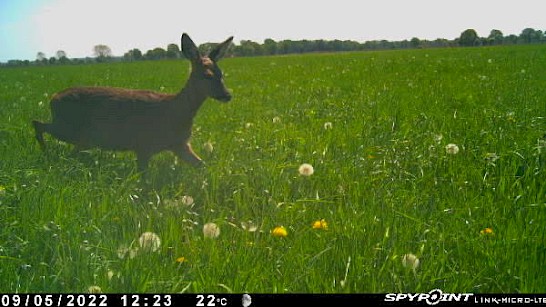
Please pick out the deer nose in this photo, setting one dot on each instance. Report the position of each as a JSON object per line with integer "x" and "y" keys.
{"x": 225, "y": 98}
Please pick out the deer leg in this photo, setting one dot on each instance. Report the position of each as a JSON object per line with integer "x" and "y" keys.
{"x": 185, "y": 153}
{"x": 40, "y": 128}
{"x": 142, "y": 161}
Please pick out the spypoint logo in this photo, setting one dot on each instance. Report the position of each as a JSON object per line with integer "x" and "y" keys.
{"x": 432, "y": 298}
{"x": 247, "y": 300}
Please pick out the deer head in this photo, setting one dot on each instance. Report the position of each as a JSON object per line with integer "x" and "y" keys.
{"x": 205, "y": 72}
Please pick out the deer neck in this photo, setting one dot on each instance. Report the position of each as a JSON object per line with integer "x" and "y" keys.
{"x": 190, "y": 98}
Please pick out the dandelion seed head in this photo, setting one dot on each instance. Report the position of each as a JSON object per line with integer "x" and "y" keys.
{"x": 187, "y": 200}
{"x": 410, "y": 261}
{"x": 452, "y": 149}
{"x": 276, "y": 120}
{"x": 149, "y": 242}
{"x": 306, "y": 169}
{"x": 328, "y": 125}
{"x": 211, "y": 230}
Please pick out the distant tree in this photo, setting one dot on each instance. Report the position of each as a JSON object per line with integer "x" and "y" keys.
{"x": 60, "y": 54}
{"x": 269, "y": 47}
{"x": 530, "y": 36}
{"x": 102, "y": 52}
{"x": 133, "y": 55}
{"x": 52, "y": 60}
{"x": 156, "y": 54}
{"x": 495, "y": 37}
{"x": 61, "y": 57}
{"x": 510, "y": 39}
{"x": 40, "y": 56}
{"x": 173, "y": 51}
{"x": 415, "y": 42}
{"x": 469, "y": 38}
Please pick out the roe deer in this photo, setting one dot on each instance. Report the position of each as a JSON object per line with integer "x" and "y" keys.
{"x": 142, "y": 121}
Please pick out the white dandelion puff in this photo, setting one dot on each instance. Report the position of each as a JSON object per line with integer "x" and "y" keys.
{"x": 149, "y": 241}
{"x": 410, "y": 261}
{"x": 306, "y": 169}
{"x": 452, "y": 149}
{"x": 211, "y": 230}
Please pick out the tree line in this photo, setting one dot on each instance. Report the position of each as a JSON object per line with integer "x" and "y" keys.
{"x": 468, "y": 38}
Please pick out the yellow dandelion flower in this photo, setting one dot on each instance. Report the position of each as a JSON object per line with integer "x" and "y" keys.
{"x": 487, "y": 231}
{"x": 181, "y": 259}
{"x": 279, "y": 231}
{"x": 322, "y": 224}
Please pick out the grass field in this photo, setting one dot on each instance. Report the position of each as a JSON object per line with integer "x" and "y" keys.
{"x": 374, "y": 126}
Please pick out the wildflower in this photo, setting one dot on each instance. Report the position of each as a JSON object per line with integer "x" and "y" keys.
{"x": 149, "y": 241}
{"x": 94, "y": 289}
{"x": 124, "y": 251}
{"x": 208, "y": 147}
{"x": 181, "y": 259}
{"x": 410, "y": 261}
{"x": 438, "y": 137}
{"x": 110, "y": 274}
{"x": 452, "y": 149}
{"x": 187, "y": 200}
{"x": 211, "y": 230}
{"x": 320, "y": 224}
{"x": 276, "y": 120}
{"x": 279, "y": 231}
{"x": 2, "y": 190}
{"x": 249, "y": 125}
{"x": 306, "y": 169}
{"x": 487, "y": 232}
{"x": 491, "y": 157}
{"x": 510, "y": 116}
{"x": 249, "y": 226}
{"x": 327, "y": 125}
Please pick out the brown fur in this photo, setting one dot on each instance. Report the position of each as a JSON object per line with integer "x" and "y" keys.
{"x": 143, "y": 121}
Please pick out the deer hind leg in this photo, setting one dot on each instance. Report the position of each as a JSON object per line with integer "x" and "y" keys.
{"x": 185, "y": 152}
{"x": 40, "y": 128}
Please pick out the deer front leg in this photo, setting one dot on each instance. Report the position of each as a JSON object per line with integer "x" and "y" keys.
{"x": 185, "y": 153}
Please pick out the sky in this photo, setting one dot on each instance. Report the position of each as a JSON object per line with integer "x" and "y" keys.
{"x": 76, "y": 26}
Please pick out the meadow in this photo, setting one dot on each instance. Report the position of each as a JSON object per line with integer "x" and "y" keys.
{"x": 428, "y": 172}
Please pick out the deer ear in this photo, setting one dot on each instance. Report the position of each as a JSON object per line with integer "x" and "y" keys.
{"x": 220, "y": 51}
{"x": 189, "y": 48}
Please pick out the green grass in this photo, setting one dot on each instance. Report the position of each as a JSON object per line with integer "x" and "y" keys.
{"x": 383, "y": 180}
